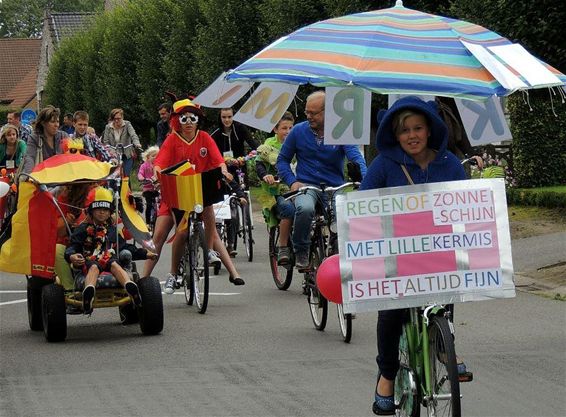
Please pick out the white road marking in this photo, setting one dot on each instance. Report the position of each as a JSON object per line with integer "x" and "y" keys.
{"x": 210, "y": 293}
{"x": 13, "y": 302}
{"x": 13, "y": 291}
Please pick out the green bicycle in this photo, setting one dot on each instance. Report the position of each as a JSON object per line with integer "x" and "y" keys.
{"x": 428, "y": 372}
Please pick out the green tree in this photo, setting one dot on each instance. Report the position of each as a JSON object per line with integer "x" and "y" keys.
{"x": 179, "y": 49}
{"x": 228, "y": 33}
{"x": 537, "y": 134}
{"x": 537, "y": 26}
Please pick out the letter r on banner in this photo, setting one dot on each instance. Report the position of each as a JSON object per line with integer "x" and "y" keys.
{"x": 266, "y": 106}
{"x": 347, "y": 116}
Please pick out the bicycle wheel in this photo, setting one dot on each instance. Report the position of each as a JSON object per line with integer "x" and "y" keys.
{"x": 198, "y": 261}
{"x": 345, "y": 321}
{"x": 445, "y": 399}
{"x": 281, "y": 275}
{"x": 247, "y": 232}
{"x": 183, "y": 272}
{"x": 236, "y": 225}
{"x": 406, "y": 391}
{"x": 318, "y": 305}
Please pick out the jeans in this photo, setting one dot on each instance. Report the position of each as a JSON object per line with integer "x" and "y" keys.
{"x": 305, "y": 205}
{"x": 127, "y": 165}
{"x": 285, "y": 208}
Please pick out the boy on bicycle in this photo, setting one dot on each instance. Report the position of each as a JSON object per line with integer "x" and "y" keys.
{"x": 272, "y": 190}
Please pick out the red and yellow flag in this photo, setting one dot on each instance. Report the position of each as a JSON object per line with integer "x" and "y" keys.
{"x": 181, "y": 186}
{"x": 65, "y": 168}
{"x": 31, "y": 248}
{"x": 132, "y": 220}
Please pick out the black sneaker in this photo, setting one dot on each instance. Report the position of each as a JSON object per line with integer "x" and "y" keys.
{"x": 88, "y": 297}
{"x": 134, "y": 292}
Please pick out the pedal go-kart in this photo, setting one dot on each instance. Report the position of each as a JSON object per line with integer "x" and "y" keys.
{"x": 29, "y": 241}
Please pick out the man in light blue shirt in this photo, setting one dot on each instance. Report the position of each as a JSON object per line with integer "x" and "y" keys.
{"x": 316, "y": 163}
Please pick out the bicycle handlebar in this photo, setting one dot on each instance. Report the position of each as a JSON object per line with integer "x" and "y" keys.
{"x": 471, "y": 160}
{"x": 293, "y": 194}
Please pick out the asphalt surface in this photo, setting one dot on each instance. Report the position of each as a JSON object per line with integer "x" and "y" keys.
{"x": 256, "y": 353}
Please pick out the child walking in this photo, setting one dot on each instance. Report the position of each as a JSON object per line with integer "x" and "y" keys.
{"x": 149, "y": 192}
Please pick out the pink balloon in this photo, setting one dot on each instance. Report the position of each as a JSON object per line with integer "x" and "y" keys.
{"x": 328, "y": 279}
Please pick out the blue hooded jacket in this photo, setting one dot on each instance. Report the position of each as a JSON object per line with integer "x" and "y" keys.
{"x": 385, "y": 170}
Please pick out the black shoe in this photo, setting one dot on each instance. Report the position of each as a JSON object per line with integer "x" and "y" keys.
{"x": 134, "y": 292}
{"x": 237, "y": 281}
{"x": 383, "y": 405}
{"x": 231, "y": 251}
{"x": 88, "y": 297}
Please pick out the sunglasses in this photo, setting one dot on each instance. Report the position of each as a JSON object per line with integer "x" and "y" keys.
{"x": 75, "y": 150}
{"x": 188, "y": 118}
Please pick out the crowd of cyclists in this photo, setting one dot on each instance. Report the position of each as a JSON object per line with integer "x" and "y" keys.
{"x": 413, "y": 141}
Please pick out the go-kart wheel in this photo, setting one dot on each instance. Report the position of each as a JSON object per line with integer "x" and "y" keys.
{"x": 34, "y": 308}
{"x": 151, "y": 311}
{"x": 34, "y": 285}
{"x": 54, "y": 313}
{"x": 128, "y": 314}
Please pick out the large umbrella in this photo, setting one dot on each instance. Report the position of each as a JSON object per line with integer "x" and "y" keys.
{"x": 395, "y": 50}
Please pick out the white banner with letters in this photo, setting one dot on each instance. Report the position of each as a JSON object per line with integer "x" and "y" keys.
{"x": 266, "y": 106}
{"x": 409, "y": 246}
{"x": 221, "y": 94}
{"x": 347, "y": 116}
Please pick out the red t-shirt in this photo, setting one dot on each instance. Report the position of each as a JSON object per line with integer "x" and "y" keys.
{"x": 202, "y": 152}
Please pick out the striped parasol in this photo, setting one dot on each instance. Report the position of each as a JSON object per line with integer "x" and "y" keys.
{"x": 397, "y": 51}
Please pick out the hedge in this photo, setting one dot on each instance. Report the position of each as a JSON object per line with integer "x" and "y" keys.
{"x": 536, "y": 197}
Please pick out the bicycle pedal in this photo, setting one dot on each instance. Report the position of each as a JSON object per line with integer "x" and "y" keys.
{"x": 466, "y": 377}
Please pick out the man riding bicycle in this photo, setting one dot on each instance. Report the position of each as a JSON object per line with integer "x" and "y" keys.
{"x": 316, "y": 163}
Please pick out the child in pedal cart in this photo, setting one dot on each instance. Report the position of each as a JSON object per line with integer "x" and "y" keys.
{"x": 93, "y": 248}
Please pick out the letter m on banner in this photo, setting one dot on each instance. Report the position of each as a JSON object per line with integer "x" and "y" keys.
{"x": 267, "y": 105}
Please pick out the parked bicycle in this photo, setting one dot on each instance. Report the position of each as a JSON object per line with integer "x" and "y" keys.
{"x": 324, "y": 242}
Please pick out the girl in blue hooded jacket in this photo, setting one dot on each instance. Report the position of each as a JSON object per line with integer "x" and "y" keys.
{"x": 412, "y": 141}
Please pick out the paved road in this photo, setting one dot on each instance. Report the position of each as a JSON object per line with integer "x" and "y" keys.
{"x": 255, "y": 353}
{"x": 539, "y": 251}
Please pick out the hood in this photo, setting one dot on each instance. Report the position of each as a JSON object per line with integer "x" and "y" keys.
{"x": 386, "y": 140}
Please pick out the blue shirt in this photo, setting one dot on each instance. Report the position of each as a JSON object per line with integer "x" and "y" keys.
{"x": 316, "y": 162}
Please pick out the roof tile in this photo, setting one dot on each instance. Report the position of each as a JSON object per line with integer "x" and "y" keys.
{"x": 18, "y": 57}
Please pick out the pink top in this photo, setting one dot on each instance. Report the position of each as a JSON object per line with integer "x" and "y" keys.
{"x": 146, "y": 173}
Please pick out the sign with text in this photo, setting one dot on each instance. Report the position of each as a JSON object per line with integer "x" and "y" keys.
{"x": 484, "y": 121}
{"x": 409, "y": 246}
{"x": 266, "y": 106}
{"x": 221, "y": 94}
{"x": 347, "y": 116}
